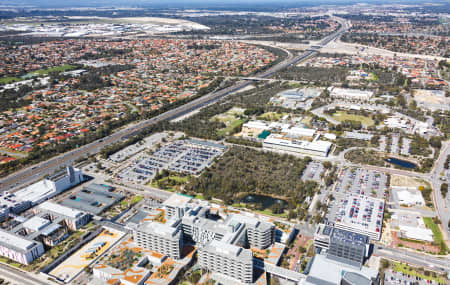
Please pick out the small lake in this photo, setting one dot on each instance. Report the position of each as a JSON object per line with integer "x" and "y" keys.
{"x": 266, "y": 201}
{"x": 402, "y": 163}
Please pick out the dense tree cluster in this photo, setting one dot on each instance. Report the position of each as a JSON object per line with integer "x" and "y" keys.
{"x": 243, "y": 170}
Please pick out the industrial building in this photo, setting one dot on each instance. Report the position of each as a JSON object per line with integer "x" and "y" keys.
{"x": 94, "y": 199}
{"x": 279, "y": 143}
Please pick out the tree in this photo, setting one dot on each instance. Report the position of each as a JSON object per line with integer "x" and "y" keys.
{"x": 444, "y": 189}
{"x": 327, "y": 165}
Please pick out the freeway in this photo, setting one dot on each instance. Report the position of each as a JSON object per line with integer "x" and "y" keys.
{"x": 33, "y": 173}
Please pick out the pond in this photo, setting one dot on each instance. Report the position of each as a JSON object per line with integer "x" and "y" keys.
{"x": 402, "y": 163}
{"x": 266, "y": 201}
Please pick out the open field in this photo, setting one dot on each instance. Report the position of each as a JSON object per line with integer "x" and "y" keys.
{"x": 405, "y": 181}
{"x": 42, "y": 72}
{"x": 428, "y": 96}
{"x": 7, "y": 80}
{"x": 343, "y": 116}
{"x": 230, "y": 127}
{"x": 271, "y": 116}
{"x": 231, "y": 120}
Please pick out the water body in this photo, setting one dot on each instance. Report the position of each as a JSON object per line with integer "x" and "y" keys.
{"x": 402, "y": 163}
{"x": 266, "y": 201}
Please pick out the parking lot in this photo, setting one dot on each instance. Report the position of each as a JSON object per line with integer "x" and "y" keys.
{"x": 184, "y": 156}
{"x": 396, "y": 278}
{"x": 131, "y": 150}
{"x": 361, "y": 181}
{"x": 313, "y": 171}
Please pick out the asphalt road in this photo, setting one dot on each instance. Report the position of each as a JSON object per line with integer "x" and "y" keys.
{"x": 36, "y": 172}
{"x": 19, "y": 277}
{"x": 441, "y": 264}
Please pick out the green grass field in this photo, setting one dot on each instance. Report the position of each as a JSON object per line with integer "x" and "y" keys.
{"x": 406, "y": 269}
{"x": 61, "y": 68}
{"x": 271, "y": 116}
{"x": 7, "y": 80}
{"x": 231, "y": 126}
{"x": 343, "y": 116}
{"x": 437, "y": 234}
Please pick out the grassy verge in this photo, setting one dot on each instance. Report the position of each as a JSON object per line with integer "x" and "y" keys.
{"x": 406, "y": 269}
{"x": 437, "y": 235}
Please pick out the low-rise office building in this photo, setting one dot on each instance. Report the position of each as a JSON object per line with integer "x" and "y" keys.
{"x": 279, "y": 143}
{"x": 350, "y": 94}
{"x": 19, "y": 249}
{"x": 73, "y": 219}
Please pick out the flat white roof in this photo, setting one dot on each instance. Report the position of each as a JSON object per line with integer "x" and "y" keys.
{"x": 410, "y": 197}
{"x": 59, "y": 209}
{"x": 300, "y": 131}
{"x": 177, "y": 200}
{"x": 322, "y": 146}
{"x": 16, "y": 241}
{"x": 36, "y": 223}
{"x": 417, "y": 233}
{"x": 35, "y": 192}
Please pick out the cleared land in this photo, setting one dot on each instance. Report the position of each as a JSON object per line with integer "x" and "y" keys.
{"x": 405, "y": 181}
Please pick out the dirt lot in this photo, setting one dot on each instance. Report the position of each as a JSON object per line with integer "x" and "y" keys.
{"x": 405, "y": 181}
{"x": 427, "y": 96}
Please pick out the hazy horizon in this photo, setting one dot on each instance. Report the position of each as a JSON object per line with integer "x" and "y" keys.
{"x": 257, "y": 4}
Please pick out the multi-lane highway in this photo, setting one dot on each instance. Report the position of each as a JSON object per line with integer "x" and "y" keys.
{"x": 32, "y": 173}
